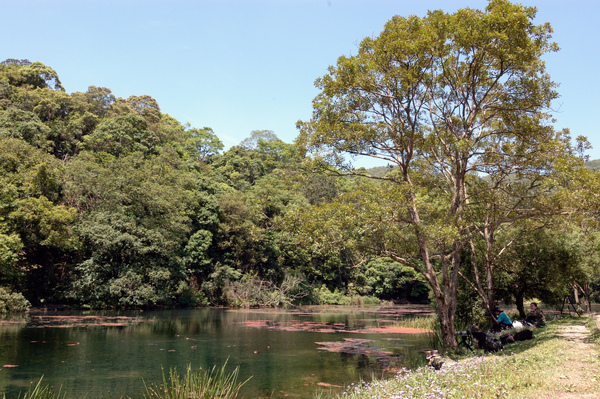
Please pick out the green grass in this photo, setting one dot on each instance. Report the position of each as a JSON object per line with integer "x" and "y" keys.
{"x": 424, "y": 323}
{"x": 41, "y": 391}
{"x": 523, "y": 369}
{"x": 420, "y": 322}
{"x": 203, "y": 384}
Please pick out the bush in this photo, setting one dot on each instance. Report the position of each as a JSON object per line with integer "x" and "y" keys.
{"x": 390, "y": 280}
{"x": 323, "y": 296}
{"x": 189, "y": 295}
{"x": 12, "y": 302}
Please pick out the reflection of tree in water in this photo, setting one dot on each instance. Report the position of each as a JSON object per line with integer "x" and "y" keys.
{"x": 71, "y": 321}
{"x": 367, "y": 355}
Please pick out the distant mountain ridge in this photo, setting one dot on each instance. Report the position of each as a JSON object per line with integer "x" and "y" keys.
{"x": 380, "y": 171}
{"x": 593, "y": 165}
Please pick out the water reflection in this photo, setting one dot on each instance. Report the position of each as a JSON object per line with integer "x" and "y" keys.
{"x": 111, "y": 353}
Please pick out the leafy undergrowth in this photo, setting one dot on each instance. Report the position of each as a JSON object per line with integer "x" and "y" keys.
{"x": 556, "y": 361}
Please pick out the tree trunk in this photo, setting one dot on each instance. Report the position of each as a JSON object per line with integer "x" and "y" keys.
{"x": 446, "y": 316}
{"x": 520, "y": 305}
{"x": 586, "y": 293}
{"x": 446, "y": 292}
{"x": 585, "y": 290}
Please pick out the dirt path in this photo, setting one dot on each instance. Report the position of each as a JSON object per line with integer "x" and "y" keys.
{"x": 579, "y": 374}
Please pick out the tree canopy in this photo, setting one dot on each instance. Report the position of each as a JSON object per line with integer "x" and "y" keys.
{"x": 459, "y": 104}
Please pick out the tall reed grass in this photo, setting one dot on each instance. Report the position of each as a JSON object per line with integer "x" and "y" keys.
{"x": 420, "y": 322}
{"x": 39, "y": 391}
{"x": 202, "y": 384}
{"x": 429, "y": 323}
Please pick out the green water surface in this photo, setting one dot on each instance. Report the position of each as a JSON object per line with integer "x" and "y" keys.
{"x": 113, "y": 359}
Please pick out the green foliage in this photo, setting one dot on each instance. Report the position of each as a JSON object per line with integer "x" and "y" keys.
{"x": 33, "y": 218}
{"x": 12, "y": 302}
{"x": 318, "y": 188}
{"x": 593, "y": 165}
{"x": 121, "y": 135}
{"x": 546, "y": 265}
{"x": 108, "y": 202}
{"x": 42, "y": 223}
{"x": 23, "y": 125}
{"x": 391, "y": 280}
{"x": 470, "y": 310}
{"x": 323, "y": 296}
{"x": 30, "y": 74}
{"x": 140, "y": 216}
{"x": 188, "y": 295}
{"x": 96, "y": 100}
{"x": 146, "y": 107}
{"x": 446, "y": 99}
{"x": 239, "y": 167}
{"x": 203, "y": 143}
{"x": 595, "y": 289}
{"x": 215, "y": 283}
{"x": 10, "y": 248}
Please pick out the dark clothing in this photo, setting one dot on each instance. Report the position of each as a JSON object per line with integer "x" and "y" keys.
{"x": 536, "y": 318}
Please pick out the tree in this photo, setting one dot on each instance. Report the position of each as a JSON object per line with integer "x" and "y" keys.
{"x": 444, "y": 98}
{"x": 204, "y": 143}
{"x": 122, "y": 135}
{"x": 23, "y": 125}
{"x": 146, "y": 107}
{"x": 547, "y": 265}
{"x": 256, "y": 136}
{"x": 36, "y": 235}
{"x": 33, "y": 74}
{"x": 96, "y": 100}
{"x": 239, "y": 168}
{"x": 512, "y": 206}
{"x": 137, "y": 214}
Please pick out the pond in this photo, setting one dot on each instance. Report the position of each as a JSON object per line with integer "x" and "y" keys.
{"x": 287, "y": 353}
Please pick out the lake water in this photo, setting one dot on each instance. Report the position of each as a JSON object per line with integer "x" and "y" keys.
{"x": 287, "y": 353}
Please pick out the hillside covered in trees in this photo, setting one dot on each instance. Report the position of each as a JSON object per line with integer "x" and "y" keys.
{"x": 107, "y": 202}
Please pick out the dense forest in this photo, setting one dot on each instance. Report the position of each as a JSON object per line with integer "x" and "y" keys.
{"x": 107, "y": 202}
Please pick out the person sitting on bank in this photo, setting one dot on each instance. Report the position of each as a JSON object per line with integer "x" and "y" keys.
{"x": 501, "y": 321}
{"x": 535, "y": 317}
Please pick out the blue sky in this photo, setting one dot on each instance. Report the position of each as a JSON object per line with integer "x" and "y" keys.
{"x": 243, "y": 65}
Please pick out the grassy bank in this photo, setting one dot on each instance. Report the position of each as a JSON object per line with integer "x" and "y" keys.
{"x": 561, "y": 361}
